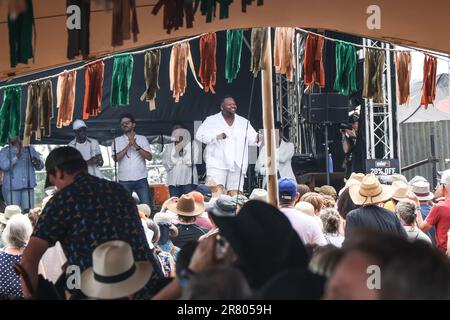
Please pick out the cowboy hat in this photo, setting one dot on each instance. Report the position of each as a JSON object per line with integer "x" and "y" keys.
{"x": 422, "y": 190}
{"x": 216, "y": 190}
{"x": 114, "y": 273}
{"x": 370, "y": 191}
{"x": 417, "y": 178}
{"x": 9, "y": 212}
{"x": 186, "y": 206}
{"x": 258, "y": 229}
{"x": 400, "y": 190}
{"x": 355, "y": 179}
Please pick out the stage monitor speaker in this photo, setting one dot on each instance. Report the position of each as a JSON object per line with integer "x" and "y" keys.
{"x": 327, "y": 107}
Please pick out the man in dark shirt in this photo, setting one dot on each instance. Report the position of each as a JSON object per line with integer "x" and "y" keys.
{"x": 84, "y": 213}
{"x": 187, "y": 210}
{"x": 369, "y": 195}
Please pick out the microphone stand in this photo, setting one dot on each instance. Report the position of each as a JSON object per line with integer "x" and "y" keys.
{"x": 29, "y": 160}
{"x": 115, "y": 155}
{"x": 10, "y": 174}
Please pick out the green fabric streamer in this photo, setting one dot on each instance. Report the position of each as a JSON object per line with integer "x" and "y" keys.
{"x": 10, "y": 114}
{"x": 208, "y": 8}
{"x": 234, "y": 49}
{"x": 121, "y": 80}
{"x": 345, "y": 81}
{"x": 20, "y": 31}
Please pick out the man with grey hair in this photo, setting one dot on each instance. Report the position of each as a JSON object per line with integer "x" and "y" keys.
{"x": 406, "y": 211}
{"x": 439, "y": 215}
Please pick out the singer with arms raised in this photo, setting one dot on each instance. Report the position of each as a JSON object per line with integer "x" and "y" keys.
{"x": 131, "y": 151}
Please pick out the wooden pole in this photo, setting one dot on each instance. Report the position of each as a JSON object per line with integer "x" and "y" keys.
{"x": 268, "y": 122}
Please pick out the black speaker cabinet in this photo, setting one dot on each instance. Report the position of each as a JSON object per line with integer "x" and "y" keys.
{"x": 326, "y": 107}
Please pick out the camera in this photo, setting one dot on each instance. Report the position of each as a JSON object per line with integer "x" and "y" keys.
{"x": 345, "y": 126}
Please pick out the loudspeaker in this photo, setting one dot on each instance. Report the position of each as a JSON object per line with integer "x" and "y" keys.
{"x": 327, "y": 107}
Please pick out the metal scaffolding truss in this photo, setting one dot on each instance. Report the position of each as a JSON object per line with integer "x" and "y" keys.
{"x": 288, "y": 104}
{"x": 379, "y": 116}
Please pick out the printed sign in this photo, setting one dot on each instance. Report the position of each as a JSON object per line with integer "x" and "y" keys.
{"x": 383, "y": 167}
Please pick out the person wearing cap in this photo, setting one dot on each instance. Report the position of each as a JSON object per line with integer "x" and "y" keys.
{"x": 88, "y": 147}
{"x": 19, "y": 165}
{"x": 131, "y": 151}
{"x": 370, "y": 194}
{"x": 187, "y": 210}
{"x": 439, "y": 216}
{"x": 305, "y": 226}
{"x": 227, "y": 137}
{"x": 421, "y": 188}
{"x": 177, "y": 158}
{"x": 284, "y": 153}
{"x": 85, "y": 212}
{"x": 224, "y": 206}
{"x": 205, "y": 191}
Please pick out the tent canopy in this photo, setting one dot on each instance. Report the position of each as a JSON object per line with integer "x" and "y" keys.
{"x": 404, "y": 22}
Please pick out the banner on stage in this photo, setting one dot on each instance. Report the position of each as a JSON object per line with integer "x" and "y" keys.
{"x": 383, "y": 167}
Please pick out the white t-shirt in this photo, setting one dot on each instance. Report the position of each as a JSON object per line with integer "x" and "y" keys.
{"x": 305, "y": 226}
{"x": 90, "y": 148}
{"x": 179, "y": 167}
{"x": 132, "y": 167}
{"x": 334, "y": 239}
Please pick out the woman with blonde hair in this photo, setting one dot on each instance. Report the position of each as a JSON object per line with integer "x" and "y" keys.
{"x": 16, "y": 235}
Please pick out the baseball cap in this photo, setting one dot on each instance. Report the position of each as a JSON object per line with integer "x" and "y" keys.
{"x": 77, "y": 124}
{"x": 204, "y": 190}
{"x": 287, "y": 189}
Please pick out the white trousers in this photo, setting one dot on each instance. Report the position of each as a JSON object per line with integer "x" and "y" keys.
{"x": 230, "y": 180}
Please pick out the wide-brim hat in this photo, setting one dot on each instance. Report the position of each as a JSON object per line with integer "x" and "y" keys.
{"x": 370, "y": 191}
{"x": 257, "y": 230}
{"x": 145, "y": 209}
{"x": 10, "y": 211}
{"x": 259, "y": 194}
{"x": 401, "y": 190}
{"x": 114, "y": 273}
{"x": 186, "y": 206}
{"x": 422, "y": 190}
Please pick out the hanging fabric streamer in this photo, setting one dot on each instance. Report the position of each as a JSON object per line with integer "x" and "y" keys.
{"x": 429, "y": 81}
{"x": 403, "y": 63}
{"x": 93, "y": 89}
{"x": 174, "y": 13}
{"x": 121, "y": 80}
{"x": 208, "y": 67}
{"x": 10, "y": 113}
{"x": 258, "y": 47}
{"x": 345, "y": 81}
{"x": 233, "y": 57}
{"x": 21, "y": 27}
{"x": 373, "y": 74}
{"x": 66, "y": 98}
{"x": 313, "y": 63}
{"x": 301, "y": 52}
{"x": 78, "y": 39}
{"x": 151, "y": 74}
{"x": 180, "y": 57}
{"x": 283, "y": 52}
{"x": 246, "y": 3}
{"x": 124, "y": 22}
{"x": 208, "y": 8}
{"x": 39, "y": 110}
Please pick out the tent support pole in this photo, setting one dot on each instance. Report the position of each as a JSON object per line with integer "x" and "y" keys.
{"x": 268, "y": 122}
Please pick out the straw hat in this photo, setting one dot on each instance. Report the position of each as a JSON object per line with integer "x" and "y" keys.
{"x": 216, "y": 190}
{"x": 186, "y": 206}
{"x": 9, "y": 212}
{"x": 326, "y": 190}
{"x": 422, "y": 190}
{"x": 370, "y": 191}
{"x": 306, "y": 208}
{"x": 114, "y": 273}
{"x": 355, "y": 179}
{"x": 400, "y": 190}
{"x": 259, "y": 194}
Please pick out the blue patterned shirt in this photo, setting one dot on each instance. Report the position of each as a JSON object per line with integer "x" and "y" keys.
{"x": 89, "y": 212}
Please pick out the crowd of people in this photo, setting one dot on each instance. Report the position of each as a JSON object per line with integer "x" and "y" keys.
{"x": 93, "y": 240}
{"x": 208, "y": 244}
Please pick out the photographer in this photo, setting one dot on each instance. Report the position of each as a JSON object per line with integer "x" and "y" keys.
{"x": 349, "y": 136}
